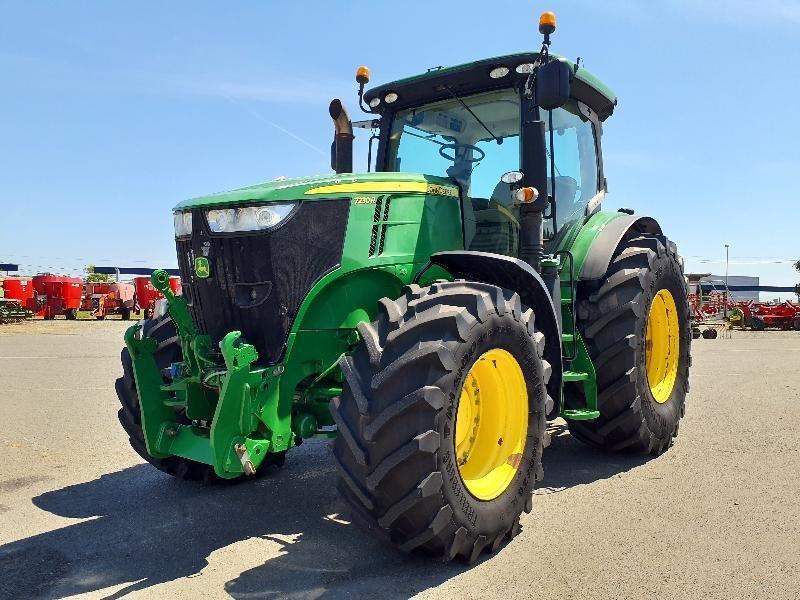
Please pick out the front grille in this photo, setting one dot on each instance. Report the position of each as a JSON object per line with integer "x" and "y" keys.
{"x": 258, "y": 280}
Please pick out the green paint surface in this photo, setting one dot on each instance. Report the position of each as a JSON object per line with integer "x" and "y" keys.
{"x": 295, "y": 189}
{"x": 509, "y": 60}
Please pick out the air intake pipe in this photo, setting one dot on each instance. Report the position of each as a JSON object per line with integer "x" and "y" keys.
{"x": 342, "y": 146}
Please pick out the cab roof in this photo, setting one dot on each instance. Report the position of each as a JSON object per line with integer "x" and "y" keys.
{"x": 471, "y": 77}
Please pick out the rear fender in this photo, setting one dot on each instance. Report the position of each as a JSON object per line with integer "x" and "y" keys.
{"x": 517, "y": 275}
{"x": 597, "y": 241}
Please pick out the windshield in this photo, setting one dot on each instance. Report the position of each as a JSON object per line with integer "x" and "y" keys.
{"x": 473, "y": 141}
{"x": 460, "y": 141}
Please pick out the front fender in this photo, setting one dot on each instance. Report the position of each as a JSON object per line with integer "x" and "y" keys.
{"x": 517, "y": 275}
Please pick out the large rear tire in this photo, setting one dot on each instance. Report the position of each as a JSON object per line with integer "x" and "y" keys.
{"x": 442, "y": 419}
{"x": 167, "y": 352}
{"x": 638, "y": 333}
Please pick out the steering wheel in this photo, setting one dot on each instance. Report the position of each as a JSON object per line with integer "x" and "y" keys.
{"x": 455, "y": 147}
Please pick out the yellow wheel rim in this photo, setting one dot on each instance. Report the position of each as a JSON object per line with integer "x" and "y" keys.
{"x": 661, "y": 346}
{"x": 491, "y": 424}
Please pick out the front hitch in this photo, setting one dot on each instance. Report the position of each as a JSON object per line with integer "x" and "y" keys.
{"x": 234, "y": 429}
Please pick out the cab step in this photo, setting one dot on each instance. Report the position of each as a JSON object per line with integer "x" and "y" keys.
{"x": 575, "y": 376}
{"x": 580, "y": 414}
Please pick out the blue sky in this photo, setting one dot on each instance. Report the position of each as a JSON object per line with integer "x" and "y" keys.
{"x": 112, "y": 112}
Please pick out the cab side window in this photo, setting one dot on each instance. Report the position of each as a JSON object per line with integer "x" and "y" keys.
{"x": 575, "y": 179}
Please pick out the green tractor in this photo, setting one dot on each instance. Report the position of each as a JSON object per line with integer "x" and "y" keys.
{"x": 431, "y": 315}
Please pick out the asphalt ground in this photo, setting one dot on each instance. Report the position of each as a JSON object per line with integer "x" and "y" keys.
{"x": 717, "y": 516}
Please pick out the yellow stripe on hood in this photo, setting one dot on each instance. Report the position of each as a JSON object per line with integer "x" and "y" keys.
{"x": 386, "y": 186}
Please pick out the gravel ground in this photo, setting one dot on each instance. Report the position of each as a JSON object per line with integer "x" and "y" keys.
{"x": 718, "y": 516}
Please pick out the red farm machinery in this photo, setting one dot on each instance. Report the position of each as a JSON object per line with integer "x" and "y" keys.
{"x": 17, "y": 292}
{"x": 713, "y": 308}
{"x": 147, "y": 295}
{"x": 56, "y": 295}
{"x": 104, "y": 298}
{"x": 19, "y": 289}
{"x": 125, "y": 298}
{"x": 709, "y": 303}
{"x": 759, "y": 316}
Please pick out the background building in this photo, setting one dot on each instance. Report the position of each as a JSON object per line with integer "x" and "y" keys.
{"x": 733, "y": 281}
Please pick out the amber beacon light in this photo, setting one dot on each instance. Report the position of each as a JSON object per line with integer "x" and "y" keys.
{"x": 547, "y": 23}
{"x": 362, "y": 75}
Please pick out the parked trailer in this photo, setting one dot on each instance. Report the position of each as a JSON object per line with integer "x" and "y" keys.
{"x": 56, "y": 295}
{"x": 17, "y": 291}
{"x": 147, "y": 295}
{"x": 106, "y": 298}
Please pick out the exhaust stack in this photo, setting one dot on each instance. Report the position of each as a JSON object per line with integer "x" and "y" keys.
{"x": 342, "y": 147}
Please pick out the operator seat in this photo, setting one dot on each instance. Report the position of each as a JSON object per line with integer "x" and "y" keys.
{"x": 496, "y": 226}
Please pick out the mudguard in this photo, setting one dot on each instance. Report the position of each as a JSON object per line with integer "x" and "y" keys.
{"x": 517, "y": 275}
{"x": 597, "y": 241}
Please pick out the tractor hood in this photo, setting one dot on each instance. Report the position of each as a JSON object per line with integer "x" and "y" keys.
{"x": 326, "y": 186}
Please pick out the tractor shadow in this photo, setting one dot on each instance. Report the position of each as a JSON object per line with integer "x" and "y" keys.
{"x": 146, "y": 529}
{"x": 569, "y": 463}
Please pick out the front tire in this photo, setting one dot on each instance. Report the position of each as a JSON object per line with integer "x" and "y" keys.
{"x": 638, "y": 333}
{"x": 444, "y": 377}
{"x": 130, "y": 417}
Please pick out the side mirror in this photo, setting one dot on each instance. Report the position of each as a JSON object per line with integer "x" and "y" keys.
{"x": 553, "y": 84}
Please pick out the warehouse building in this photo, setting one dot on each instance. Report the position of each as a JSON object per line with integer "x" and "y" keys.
{"x": 734, "y": 281}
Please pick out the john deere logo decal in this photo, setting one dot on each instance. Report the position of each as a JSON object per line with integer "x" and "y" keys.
{"x": 201, "y": 267}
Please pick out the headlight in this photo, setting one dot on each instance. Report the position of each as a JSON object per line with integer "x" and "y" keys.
{"x": 248, "y": 218}
{"x": 183, "y": 223}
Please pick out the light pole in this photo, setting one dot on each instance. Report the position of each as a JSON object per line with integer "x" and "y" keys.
{"x": 725, "y": 309}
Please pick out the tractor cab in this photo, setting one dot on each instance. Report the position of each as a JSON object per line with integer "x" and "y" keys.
{"x": 473, "y": 124}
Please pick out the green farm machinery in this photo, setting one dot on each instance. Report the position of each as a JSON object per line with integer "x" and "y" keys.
{"x": 12, "y": 311}
{"x": 430, "y": 315}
